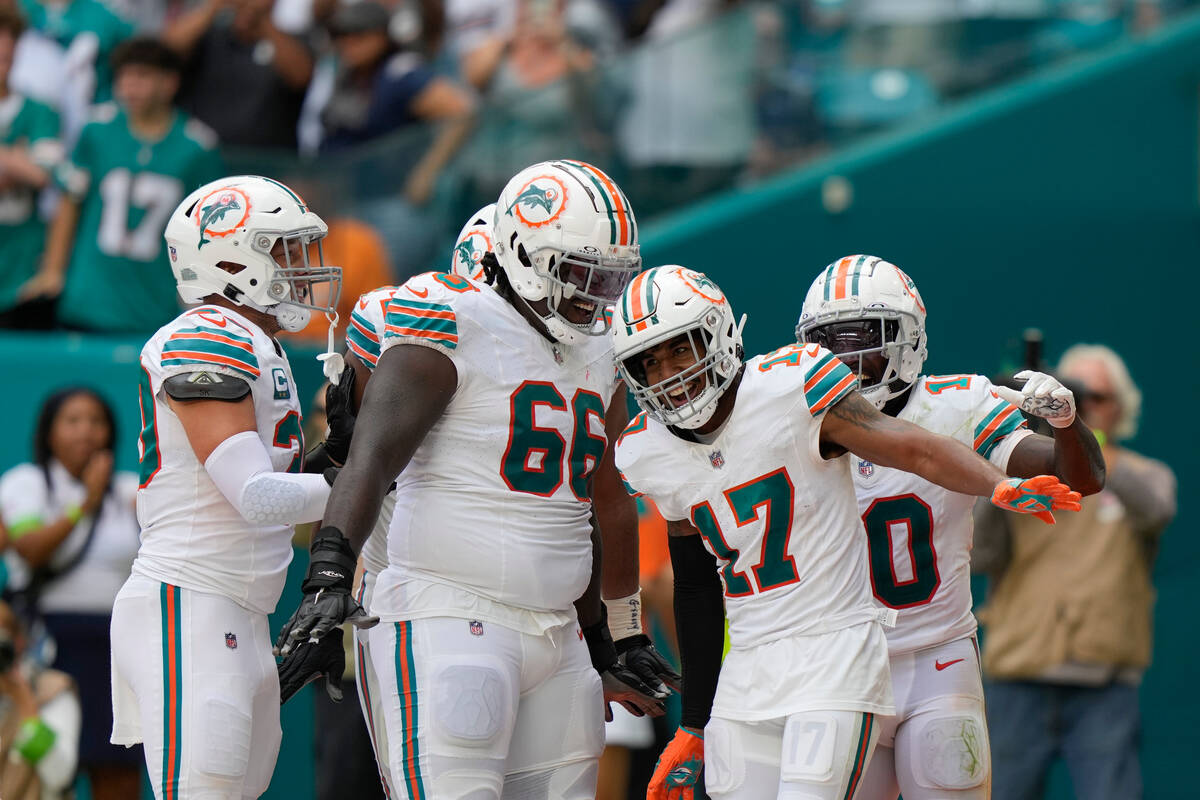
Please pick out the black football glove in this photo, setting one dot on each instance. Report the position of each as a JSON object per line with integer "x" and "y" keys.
{"x": 621, "y": 684}
{"x": 309, "y": 661}
{"x": 327, "y": 599}
{"x": 340, "y": 417}
{"x": 640, "y": 656}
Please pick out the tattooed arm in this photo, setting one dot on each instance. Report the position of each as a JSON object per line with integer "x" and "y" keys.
{"x": 854, "y": 424}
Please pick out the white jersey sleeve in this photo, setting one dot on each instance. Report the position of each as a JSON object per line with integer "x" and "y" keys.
{"x": 191, "y": 535}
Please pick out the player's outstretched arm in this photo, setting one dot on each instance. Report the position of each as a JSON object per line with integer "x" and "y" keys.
{"x": 1073, "y": 454}
{"x": 856, "y": 425}
{"x": 407, "y": 394}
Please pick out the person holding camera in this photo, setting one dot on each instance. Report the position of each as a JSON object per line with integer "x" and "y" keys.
{"x": 73, "y": 535}
{"x": 39, "y": 722}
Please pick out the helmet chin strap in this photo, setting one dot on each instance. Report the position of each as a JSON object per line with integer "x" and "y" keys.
{"x": 332, "y": 362}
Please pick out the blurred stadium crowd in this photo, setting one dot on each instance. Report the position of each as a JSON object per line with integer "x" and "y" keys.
{"x": 395, "y": 119}
{"x": 398, "y": 118}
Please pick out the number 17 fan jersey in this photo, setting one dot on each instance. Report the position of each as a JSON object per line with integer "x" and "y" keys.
{"x": 191, "y": 535}
{"x": 496, "y": 501}
{"x": 918, "y": 533}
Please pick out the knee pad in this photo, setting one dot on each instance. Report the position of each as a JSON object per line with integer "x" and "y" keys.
{"x": 724, "y": 757}
{"x": 949, "y": 751}
{"x": 809, "y": 743}
{"x": 224, "y": 750}
{"x": 572, "y": 781}
{"x": 471, "y": 703}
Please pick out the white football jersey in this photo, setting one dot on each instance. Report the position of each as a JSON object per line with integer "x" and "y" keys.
{"x": 363, "y": 337}
{"x": 918, "y": 533}
{"x": 191, "y": 535}
{"x": 496, "y": 502}
{"x": 780, "y": 519}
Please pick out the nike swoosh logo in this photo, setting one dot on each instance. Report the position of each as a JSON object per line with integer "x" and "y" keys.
{"x": 362, "y": 303}
{"x": 218, "y": 321}
{"x": 422, "y": 293}
{"x": 939, "y": 666}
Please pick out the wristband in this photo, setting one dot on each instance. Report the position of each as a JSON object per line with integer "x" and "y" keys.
{"x": 625, "y": 616}
{"x": 599, "y": 642}
{"x": 33, "y": 740}
{"x": 73, "y": 514}
{"x": 331, "y": 561}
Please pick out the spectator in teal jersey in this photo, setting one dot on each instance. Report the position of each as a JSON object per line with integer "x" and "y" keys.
{"x": 66, "y": 20}
{"x": 29, "y": 150}
{"x": 132, "y": 165}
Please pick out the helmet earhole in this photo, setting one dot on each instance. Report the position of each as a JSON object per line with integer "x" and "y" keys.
{"x": 254, "y": 281}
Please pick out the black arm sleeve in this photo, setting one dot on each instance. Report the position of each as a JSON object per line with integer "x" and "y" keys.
{"x": 700, "y": 625}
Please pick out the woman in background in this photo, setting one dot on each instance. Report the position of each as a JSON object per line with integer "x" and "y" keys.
{"x": 73, "y": 534}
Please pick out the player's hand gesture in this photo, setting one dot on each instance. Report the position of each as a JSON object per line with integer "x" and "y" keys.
{"x": 309, "y": 661}
{"x": 622, "y": 685}
{"x": 679, "y": 767}
{"x": 1038, "y": 495}
{"x": 1042, "y": 396}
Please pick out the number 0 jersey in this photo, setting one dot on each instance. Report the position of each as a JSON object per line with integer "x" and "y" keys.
{"x": 918, "y": 533}
{"x": 494, "y": 506}
{"x": 191, "y": 535}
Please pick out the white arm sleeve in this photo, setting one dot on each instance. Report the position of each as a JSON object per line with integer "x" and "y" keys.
{"x": 61, "y": 715}
{"x": 241, "y": 469}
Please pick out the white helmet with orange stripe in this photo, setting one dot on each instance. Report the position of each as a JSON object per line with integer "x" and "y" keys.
{"x": 862, "y": 307}
{"x": 674, "y": 302}
{"x": 473, "y": 243}
{"x": 566, "y": 239}
{"x": 255, "y": 242}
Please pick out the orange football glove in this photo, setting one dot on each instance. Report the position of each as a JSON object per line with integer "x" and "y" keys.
{"x": 678, "y": 768}
{"x": 1037, "y": 495}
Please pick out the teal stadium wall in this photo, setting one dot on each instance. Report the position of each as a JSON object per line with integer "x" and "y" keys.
{"x": 1067, "y": 202}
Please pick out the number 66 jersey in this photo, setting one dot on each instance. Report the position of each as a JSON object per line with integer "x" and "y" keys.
{"x": 782, "y": 522}
{"x": 493, "y": 512}
{"x": 918, "y": 533}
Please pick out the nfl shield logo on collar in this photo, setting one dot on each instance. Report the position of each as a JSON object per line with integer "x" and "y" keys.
{"x": 476, "y": 628}
{"x": 231, "y": 641}
{"x": 716, "y": 459}
{"x": 866, "y": 469}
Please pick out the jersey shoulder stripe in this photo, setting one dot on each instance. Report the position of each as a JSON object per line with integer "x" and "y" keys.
{"x": 826, "y": 382}
{"x": 636, "y": 425}
{"x": 1002, "y": 420}
{"x": 207, "y": 337}
{"x": 362, "y": 340}
{"x": 412, "y": 318}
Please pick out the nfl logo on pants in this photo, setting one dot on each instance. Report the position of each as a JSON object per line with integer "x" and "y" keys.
{"x": 231, "y": 641}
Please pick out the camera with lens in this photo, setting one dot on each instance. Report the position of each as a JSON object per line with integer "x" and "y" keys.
{"x": 8, "y": 651}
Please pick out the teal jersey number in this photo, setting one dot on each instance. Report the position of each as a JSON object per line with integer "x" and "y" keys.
{"x": 912, "y": 512}
{"x": 533, "y": 459}
{"x": 289, "y": 434}
{"x": 770, "y": 498}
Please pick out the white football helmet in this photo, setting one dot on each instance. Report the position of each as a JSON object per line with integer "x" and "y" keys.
{"x": 564, "y": 231}
{"x": 473, "y": 243}
{"x": 861, "y": 305}
{"x": 238, "y": 221}
{"x": 665, "y": 303}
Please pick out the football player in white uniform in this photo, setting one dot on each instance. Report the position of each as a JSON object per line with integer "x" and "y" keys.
{"x": 193, "y": 677}
{"x": 492, "y": 403}
{"x": 918, "y": 534}
{"x": 747, "y": 462}
{"x": 342, "y": 402}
